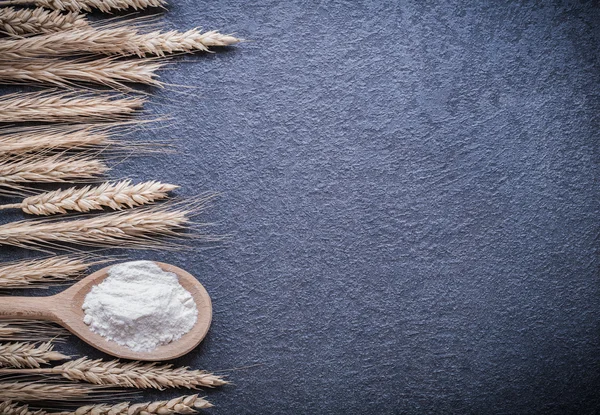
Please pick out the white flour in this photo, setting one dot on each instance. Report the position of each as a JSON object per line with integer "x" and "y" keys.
{"x": 140, "y": 306}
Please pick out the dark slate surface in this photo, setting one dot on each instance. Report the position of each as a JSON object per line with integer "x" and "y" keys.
{"x": 412, "y": 189}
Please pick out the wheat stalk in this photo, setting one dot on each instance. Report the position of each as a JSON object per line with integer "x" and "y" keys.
{"x": 65, "y": 107}
{"x": 105, "y": 6}
{"x": 113, "y": 41}
{"x": 44, "y": 272}
{"x": 32, "y": 21}
{"x": 34, "y": 391}
{"x": 57, "y": 168}
{"x": 129, "y": 375}
{"x": 25, "y": 330}
{"x": 142, "y": 228}
{"x": 180, "y": 405}
{"x": 30, "y": 355}
{"x": 115, "y": 196}
{"x": 108, "y": 72}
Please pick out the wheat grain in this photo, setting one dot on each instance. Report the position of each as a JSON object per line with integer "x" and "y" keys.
{"x": 44, "y": 272}
{"x": 34, "y": 391}
{"x": 115, "y": 196}
{"x": 144, "y": 228}
{"x": 28, "y": 355}
{"x": 25, "y": 330}
{"x": 65, "y": 107}
{"x": 124, "y": 41}
{"x": 106, "y": 6}
{"x": 130, "y": 375}
{"x": 108, "y": 72}
{"x": 33, "y": 21}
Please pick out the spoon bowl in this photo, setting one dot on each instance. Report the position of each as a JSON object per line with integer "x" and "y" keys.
{"x": 66, "y": 309}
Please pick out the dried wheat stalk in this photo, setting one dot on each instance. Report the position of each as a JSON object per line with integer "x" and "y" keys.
{"x": 28, "y": 355}
{"x": 105, "y": 6}
{"x": 74, "y": 106}
{"x": 115, "y": 196}
{"x": 44, "y": 272}
{"x": 145, "y": 228}
{"x": 130, "y": 375}
{"x": 108, "y": 72}
{"x": 34, "y": 391}
{"x": 63, "y": 137}
{"x": 25, "y": 330}
{"x": 181, "y": 405}
{"x": 124, "y": 41}
{"x": 57, "y": 168}
{"x": 44, "y": 138}
{"x": 33, "y": 21}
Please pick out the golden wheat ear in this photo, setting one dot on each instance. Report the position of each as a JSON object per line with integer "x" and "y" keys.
{"x": 128, "y": 374}
{"x": 18, "y": 173}
{"x": 71, "y": 106}
{"x": 161, "y": 226}
{"x": 28, "y": 331}
{"x": 54, "y": 392}
{"x": 28, "y": 355}
{"x": 106, "y": 6}
{"x": 181, "y": 405}
{"x": 19, "y": 22}
{"x": 125, "y": 41}
{"x": 116, "y": 196}
{"x": 109, "y": 72}
{"x": 45, "y": 272}
{"x": 13, "y": 408}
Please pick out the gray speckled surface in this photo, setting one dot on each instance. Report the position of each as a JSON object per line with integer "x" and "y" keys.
{"x": 413, "y": 193}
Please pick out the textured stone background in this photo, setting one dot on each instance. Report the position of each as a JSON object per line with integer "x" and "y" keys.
{"x": 413, "y": 193}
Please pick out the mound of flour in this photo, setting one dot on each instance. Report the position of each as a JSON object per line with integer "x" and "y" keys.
{"x": 140, "y": 306}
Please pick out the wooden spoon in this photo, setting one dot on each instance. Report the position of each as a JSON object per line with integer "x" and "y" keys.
{"x": 66, "y": 309}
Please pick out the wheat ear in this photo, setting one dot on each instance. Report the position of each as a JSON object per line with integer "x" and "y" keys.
{"x": 105, "y": 6}
{"x": 33, "y": 21}
{"x": 35, "y": 391}
{"x": 113, "y": 41}
{"x": 145, "y": 228}
{"x": 129, "y": 375}
{"x": 108, "y": 72}
{"x": 115, "y": 196}
{"x": 22, "y": 355}
{"x": 57, "y": 168}
{"x": 12, "y": 408}
{"x": 65, "y": 107}
{"x": 25, "y": 330}
{"x": 45, "y": 272}
{"x": 182, "y": 405}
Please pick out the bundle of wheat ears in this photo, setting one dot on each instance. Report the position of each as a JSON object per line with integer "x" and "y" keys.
{"x": 76, "y": 125}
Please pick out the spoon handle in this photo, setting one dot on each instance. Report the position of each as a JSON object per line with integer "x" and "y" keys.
{"x": 28, "y": 308}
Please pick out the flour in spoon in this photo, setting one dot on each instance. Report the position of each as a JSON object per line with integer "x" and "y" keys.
{"x": 140, "y": 306}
